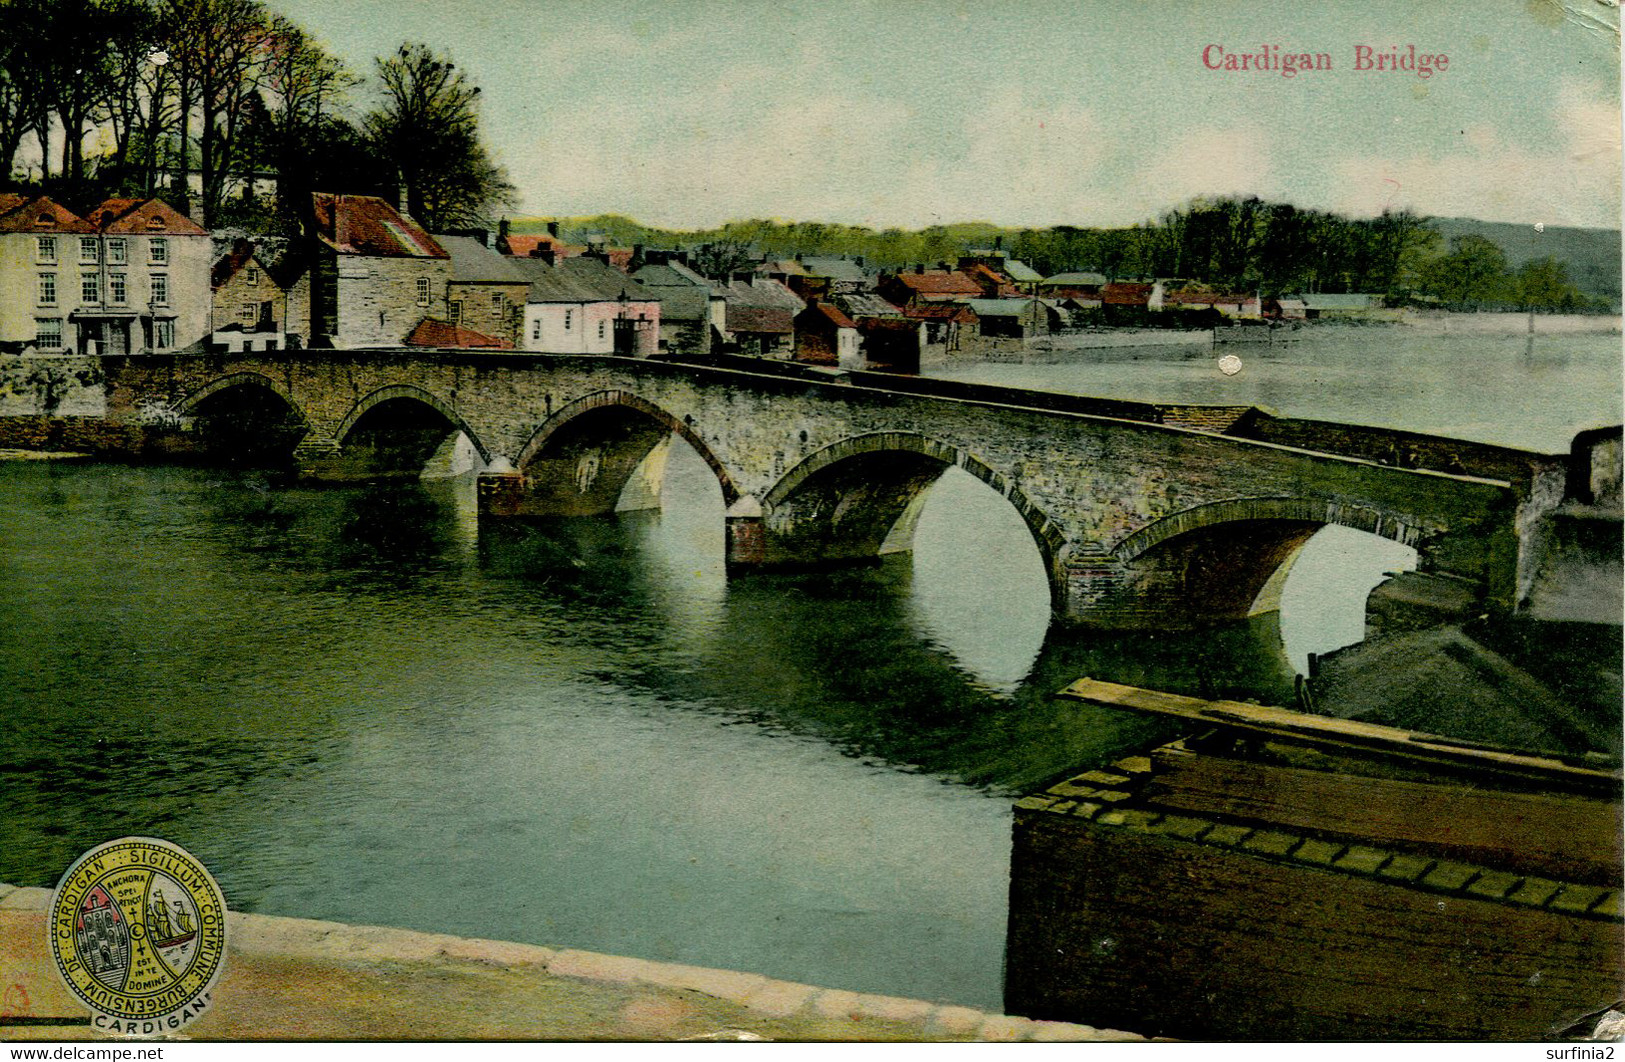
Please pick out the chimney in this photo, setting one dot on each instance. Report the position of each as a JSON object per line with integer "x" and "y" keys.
{"x": 919, "y": 268}
{"x": 998, "y": 243}
{"x": 502, "y": 228}
{"x": 553, "y": 229}
{"x": 400, "y": 200}
{"x": 194, "y": 210}
{"x": 546, "y": 254}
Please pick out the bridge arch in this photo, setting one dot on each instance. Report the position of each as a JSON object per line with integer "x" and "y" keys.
{"x": 241, "y": 418}
{"x": 408, "y": 392}
{"x": 1238, "y": 510}
{"x": 582, "y": 456}
{"x": 188, "y": 403}
{"x": 1230, "y": 559}
{"x": 875, "y": 484}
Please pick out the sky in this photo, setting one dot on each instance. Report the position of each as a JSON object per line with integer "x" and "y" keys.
{"x": 908, "y": 113}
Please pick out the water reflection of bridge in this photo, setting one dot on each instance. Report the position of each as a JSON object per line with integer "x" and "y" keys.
{"x": 1145, "y": 515}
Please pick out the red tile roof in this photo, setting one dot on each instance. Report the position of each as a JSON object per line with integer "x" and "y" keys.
{"x": 1204, "y": 298}
{"x": 40, "y": 215}
{"x": 369, "y": 226}
{"x": 525, "y": 246}
{"x": 939, "y": 283}
{"x": 830, "y": 313}
{"x": 1126, "y": 294}
{"x": 433, "y": 333}
{"x": 139, "y": 217}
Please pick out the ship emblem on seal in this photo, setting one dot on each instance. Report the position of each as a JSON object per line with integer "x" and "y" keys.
{"x": 138, "y": 932}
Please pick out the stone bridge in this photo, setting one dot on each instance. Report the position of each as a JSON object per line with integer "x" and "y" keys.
{"x": 1145, "y": 515}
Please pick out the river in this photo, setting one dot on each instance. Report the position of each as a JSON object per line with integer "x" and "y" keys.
{"x": 353, "y": 705}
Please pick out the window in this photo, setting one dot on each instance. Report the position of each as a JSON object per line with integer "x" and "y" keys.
{"x": 48, "y": 333}
{"x": 568, "y": 315}
{"x": 496, "y": 303}
{"x": 247, "y": 312}
{"x": 536, "y": 329}
{"x": 90, "y": 288}
{"x": 118, "y": 289}
{"x": 163, "y": 334}
{"x": 253, "y": 275}
{"x": 88, "y": 249}
{"x": 160, "y": 289}
{"x": 158, "y": 248}
{"x": 116, "y": 251}
{"x": 47, "y": 289}
{"x": 457, "y": 311}
{"x": 423, "y": 291}
{"x": 602, "y": 325}
{"x": 47, "y": 249}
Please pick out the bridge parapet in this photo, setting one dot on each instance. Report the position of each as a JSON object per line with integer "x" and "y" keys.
{"x": 1140, "y": 512}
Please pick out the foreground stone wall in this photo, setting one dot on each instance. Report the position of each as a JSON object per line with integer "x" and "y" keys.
{"x": 297, "y": 979}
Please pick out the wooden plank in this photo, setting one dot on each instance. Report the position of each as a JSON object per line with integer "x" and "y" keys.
{"x": 1285, "y": 724}
{"x": 1121, "y": 929}
{"x": 1566, "y": 837}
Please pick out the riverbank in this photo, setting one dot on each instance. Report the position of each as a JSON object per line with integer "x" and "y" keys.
{"x": 296, "y": 979}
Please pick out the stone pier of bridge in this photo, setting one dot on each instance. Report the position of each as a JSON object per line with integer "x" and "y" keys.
{"x": 1145, "y": 515}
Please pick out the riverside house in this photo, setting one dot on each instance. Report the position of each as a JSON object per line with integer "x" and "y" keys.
{"x": 131, "y": 276}
{"x": 376, "y": 273}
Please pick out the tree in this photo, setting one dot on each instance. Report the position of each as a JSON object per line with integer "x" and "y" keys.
{"x": 25, "y": 76}
{"x": 1472, "y": 274}
{"x": 1543, "y": 284}
{"x": 304, "y": 85}
{"x": 221, "y": 47}
{"x": 427, "y": 129}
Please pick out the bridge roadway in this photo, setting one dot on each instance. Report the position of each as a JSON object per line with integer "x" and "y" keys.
{"x": 1151, "y": 515}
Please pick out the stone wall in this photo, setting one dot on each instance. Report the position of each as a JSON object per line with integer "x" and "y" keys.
{"x": 64, "y": 385}
{"x": 378, "y": 303}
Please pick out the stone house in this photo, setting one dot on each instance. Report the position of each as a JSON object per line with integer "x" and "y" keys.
{"x": 130, "y": 277}
{"x": 761, "y": 315}
{"x": 920, "y": 285}
{"x": 586, "y": 306}
{"x": 826, "y": 336}
{"x": 261, "y": 297}
{"x": 375, "y": 273}
{"x": 487, "y": 292}
{"x": 692, "y": 311}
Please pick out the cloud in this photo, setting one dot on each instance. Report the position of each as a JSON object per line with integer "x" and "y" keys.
{"x": 1570, "y": 178}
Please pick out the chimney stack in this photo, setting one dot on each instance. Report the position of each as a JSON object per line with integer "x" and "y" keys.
{"x": 502, "y": 228}
{"x": 553, "y": 229}
{"x": 400, "y": 200}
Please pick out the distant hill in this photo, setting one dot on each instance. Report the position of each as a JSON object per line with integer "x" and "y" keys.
{"x": 1593, "y": 255}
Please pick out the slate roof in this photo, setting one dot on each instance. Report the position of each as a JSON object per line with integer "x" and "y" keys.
{"x": 580, "y": 280}
{"x": 762, "y": 293}
{"x": 671, "y": 274}
{"x": 865, "y": 305}
{"x": 1340, "y": 302}
{"x": 431, "y": 332}
{"x": 938, "y": 311}
{"x": 367, "y": 225}
{"x": 474, "y": 263}
{"x": 1021, "y": 272}
{"x": 999, "y": 307}
{"x": 833, "y": 267}
{"x": 1076, "y": 280}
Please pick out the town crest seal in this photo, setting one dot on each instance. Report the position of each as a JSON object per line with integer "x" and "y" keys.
{"x": 138, "y": 931}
